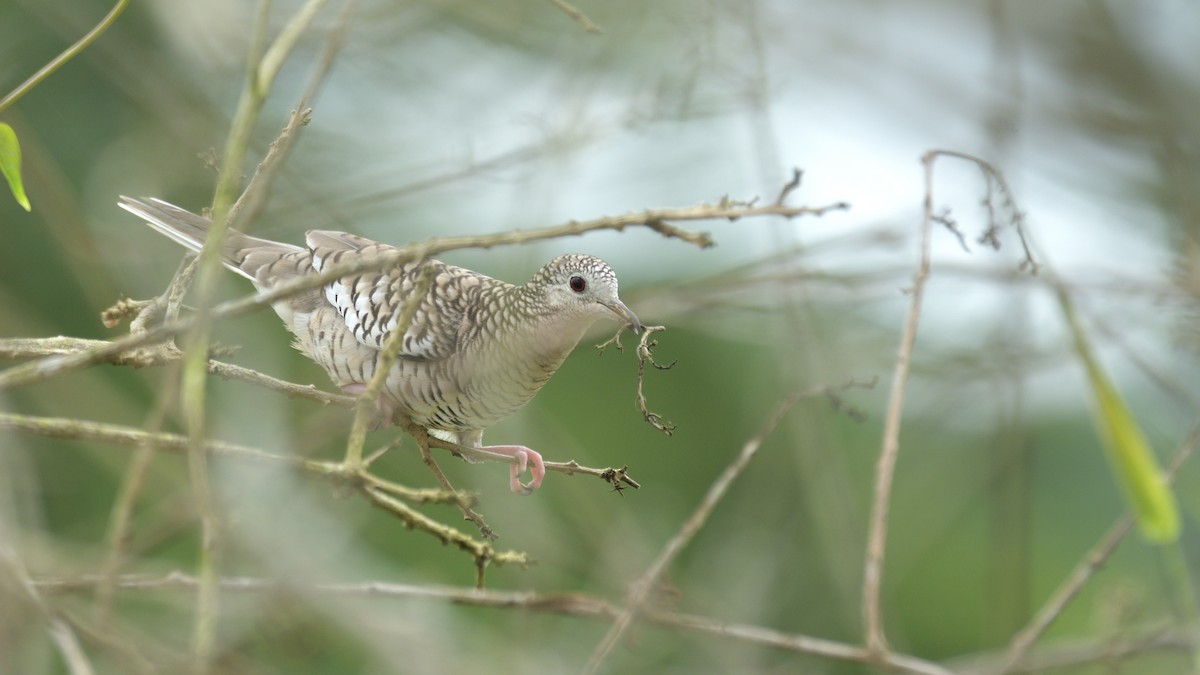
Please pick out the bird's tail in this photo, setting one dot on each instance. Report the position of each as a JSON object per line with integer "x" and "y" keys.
{"x": 246, "y": 255}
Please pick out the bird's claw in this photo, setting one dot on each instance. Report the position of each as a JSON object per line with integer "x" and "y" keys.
{"x": 526, "y": 459}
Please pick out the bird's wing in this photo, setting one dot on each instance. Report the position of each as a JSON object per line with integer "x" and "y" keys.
{"x": 371, "y": 302}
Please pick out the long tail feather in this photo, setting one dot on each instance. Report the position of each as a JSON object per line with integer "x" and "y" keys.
{"x": 188, "y": 229}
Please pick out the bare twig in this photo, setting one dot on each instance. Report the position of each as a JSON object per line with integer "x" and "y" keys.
{"x": 576, "y": 16}
{"x": 366, "y": 406}
{"x": 885, "y": 466}
{"x": 253, "y": 200}
{"x": 24, "y": 348}
{"x": 57, "y": 366}
{"x": 575, "y": 605}
{"x": 70, "y": 52}
{"x": 570, "y": 467}
{"x": 422, "y": 437}
{"x": 794, "y": 183}
{"x": 642, "y": 587}
{"x": 994, "y": 183}
{"x": 121, "y": 516}
{"x": 1106, "y": 654}
{"x": 481, "y": 552}
{"x": 645, "y": 356}
{"x": 1023, "y": 641}
{"x": 121, "y": 309}
{"x": 73, "y": 429}
{"x": 19, "y": 584}
{"x": 263, "y": 66}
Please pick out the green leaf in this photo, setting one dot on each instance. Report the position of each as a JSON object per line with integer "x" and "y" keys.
{"x": 10, "y": 164}
{"x": 1133, "y": 461}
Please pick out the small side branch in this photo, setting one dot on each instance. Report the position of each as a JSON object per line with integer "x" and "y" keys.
{"x": 646, "y": 356}
{"x": 577, "y": 16}
{"x": 655, "y": 219}
{"x": 1095, "y": 559}
{"x": 565, "y": 604}
{"x": 642, "y": 588}
{"x": 464, "y": 505}
{"x": 890, "y": 445}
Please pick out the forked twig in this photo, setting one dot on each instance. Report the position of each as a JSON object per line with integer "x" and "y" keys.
{"x": 646, "y": 356}
{"x": 886, "y": 464}
{"x": 641, "y": 589}
{"x": 1092, "y": 561}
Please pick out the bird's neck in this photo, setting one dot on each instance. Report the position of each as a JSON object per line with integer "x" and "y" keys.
{"x": 553, "y": 334}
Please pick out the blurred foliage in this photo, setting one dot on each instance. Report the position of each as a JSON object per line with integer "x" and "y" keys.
{"x": 467, "y": 117}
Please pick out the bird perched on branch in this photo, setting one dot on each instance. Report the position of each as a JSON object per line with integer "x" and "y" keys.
{"x": 475, "y": 351}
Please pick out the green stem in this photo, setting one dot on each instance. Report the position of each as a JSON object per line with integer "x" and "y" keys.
{"x": 262, "y": 67}
{"x": 67, "y": 55}
{"x": 1179, "y": 578}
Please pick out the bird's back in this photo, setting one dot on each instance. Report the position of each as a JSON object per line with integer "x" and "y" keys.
{"x": 474, "y": 351}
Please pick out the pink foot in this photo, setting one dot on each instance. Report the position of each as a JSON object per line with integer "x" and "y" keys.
{"x": 386, "y": 409}
{"x": 525, "y": 458}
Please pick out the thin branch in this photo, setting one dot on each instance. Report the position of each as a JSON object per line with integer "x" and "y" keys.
{"x": 574, "y": 605}
{"x": 422, "y": 437}
{"x": 1095, "y": 559}
{"x": 24, "y": 348}
{"x": 655, "y": 219}
{"x": 482, "y": 552}
{"x": 57, "y": 62}
{"x": 886, "y": 464}
{"x": 366, "y": 406}
{"x": 81, "y": 430}
{"x": 253, "y": 200}
{"x": 645, "y": 356}
{"x": 73, "y": 429}
{"x": 642, "y": 588}
{"x": 615, "y": 477}
{"x": 121, "y": 516}
{"x": 377, "y": 491}
{"x": 62, "y": 427}
{"x": 876, "y": 639}
{"x": 12, "y": 569}
{"x": 577, "y": 16}
{"x": 1108, "y": 654}
{"x": 791, "y": 186}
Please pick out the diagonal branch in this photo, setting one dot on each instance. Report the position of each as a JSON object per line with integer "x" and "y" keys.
{"x": 654, "y": 219}
{"x": 1070, "y": 587}
{"x": 642, "y": 587}
{"x": 886, "y": 464}
{"x": 565, "y": 604}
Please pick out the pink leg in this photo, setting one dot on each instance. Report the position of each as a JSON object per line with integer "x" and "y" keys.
{"x": 525, "y": 458}
{"x": 386, "y": 409}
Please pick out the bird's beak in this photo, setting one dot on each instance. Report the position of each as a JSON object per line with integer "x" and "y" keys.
{"x": 617, "y": 307}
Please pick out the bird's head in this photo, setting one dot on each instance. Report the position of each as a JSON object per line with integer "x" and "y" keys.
{"x": 583, "y": 286}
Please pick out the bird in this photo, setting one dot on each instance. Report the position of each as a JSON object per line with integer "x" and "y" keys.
{"x": 475, "y": 351}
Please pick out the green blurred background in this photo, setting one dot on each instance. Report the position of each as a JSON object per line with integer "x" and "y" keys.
{"x": 442, "y": 118}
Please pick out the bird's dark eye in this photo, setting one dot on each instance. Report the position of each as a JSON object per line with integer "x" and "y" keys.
{"x": 578, "y": 284}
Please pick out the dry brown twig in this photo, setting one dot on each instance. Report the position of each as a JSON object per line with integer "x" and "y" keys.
{"x": 577, "y": 16}
{"x": 1091, "y": 562}
{"x": 641, "y": 589}
{"x": 657, "y": 220}
{"x": 378, "y": 491}
{"x": 566, "y": 604}
{"x": 645, "y": 355}
{"x": 147, "y": 345}
{"x": 876, "y": 640}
